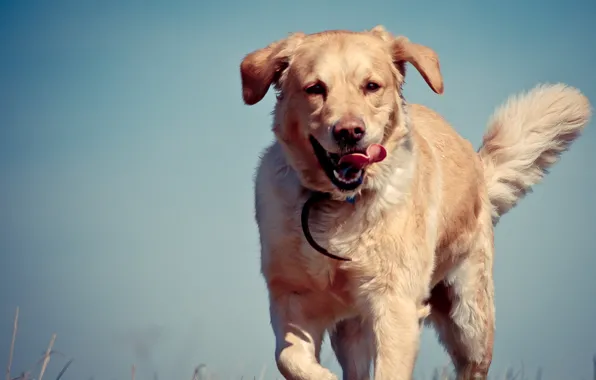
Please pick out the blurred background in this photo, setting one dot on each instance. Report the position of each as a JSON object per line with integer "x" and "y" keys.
{"x": 126, "y": 178}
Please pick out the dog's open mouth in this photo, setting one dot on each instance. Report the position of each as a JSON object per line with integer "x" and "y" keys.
{"x": 346, "y": 171}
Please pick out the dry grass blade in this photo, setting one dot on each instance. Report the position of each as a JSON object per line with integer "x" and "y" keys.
{"x": 263, "y": 370}
{"x": 23, "y": 376}
{"x": 14, "y": 337}
{"x": 46, "y": 358}
{"x": 64, "y": 369}
{"x": 200, "y": 372}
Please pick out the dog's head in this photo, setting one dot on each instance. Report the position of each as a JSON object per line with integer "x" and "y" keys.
{"x": 339, "y": 108}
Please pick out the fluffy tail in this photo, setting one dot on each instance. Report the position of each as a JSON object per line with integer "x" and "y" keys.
{"x": 525, "y": 137}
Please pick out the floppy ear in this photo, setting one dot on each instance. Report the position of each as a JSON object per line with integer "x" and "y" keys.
{"x": 261, "y": 68}
{"x": 423, "y": 58}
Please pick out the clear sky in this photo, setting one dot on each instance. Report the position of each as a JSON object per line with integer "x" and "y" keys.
{"x": 127, "y": 159}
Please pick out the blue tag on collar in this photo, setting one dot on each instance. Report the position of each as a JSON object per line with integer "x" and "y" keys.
{"x": 351, "y": 199}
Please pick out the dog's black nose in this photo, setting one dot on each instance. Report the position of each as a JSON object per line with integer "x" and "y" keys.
{"x": 348, "y": 130}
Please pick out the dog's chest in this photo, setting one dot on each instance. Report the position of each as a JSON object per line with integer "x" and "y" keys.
{"x": 346, "y": 232}
{"x": 343, "y": 229}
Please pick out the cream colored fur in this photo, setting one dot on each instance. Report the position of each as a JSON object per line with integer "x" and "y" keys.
{"x": 420, "y": 234}
{"x": 526, "y": 136}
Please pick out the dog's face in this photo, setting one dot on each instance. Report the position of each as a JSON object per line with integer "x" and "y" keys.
{"x": 339, "y": 108}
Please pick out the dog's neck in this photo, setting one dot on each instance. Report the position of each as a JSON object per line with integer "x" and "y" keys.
{"x": 392, "y": 181}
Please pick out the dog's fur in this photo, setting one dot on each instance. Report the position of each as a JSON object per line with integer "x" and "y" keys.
{"x": 421, "y": 229}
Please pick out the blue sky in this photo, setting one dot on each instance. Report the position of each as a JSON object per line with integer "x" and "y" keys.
{"x": 126, "y": 166}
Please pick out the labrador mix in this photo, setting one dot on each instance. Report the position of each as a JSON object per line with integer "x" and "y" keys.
{"x": 404, "y": 206}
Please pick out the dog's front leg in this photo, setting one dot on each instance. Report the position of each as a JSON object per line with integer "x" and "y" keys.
{"x": 298, "y": 336}
{"x": 396, "y": 330}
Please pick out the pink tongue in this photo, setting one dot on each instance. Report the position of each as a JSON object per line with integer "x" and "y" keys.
{"x": 374, "y": 153}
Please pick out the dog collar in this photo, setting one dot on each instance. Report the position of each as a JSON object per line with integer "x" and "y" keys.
{"x": 316, "y": 197}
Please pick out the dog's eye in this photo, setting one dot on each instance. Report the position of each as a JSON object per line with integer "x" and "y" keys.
{"x": 316, "y": 89}
{"x": 372, "y": 86}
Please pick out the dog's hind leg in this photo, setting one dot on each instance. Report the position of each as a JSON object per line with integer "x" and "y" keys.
{"x": 463, "y": 313}
{"x": 352, "y": 344}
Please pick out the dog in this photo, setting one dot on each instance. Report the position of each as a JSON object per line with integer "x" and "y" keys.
{"x": 408, "y": 206}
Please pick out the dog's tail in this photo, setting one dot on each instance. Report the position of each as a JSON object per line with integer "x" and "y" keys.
{"x": 525, "y": 137}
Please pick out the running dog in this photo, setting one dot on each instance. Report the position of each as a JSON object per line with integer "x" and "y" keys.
{"x": 405, "y": 207}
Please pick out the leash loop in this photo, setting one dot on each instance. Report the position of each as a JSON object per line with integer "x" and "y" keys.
{"x": 314, "y": 198}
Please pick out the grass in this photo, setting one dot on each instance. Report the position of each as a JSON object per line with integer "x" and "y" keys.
{"x": 445, "y": 373}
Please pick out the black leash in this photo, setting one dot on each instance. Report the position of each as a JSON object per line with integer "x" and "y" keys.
{"x": 315, "y": 197}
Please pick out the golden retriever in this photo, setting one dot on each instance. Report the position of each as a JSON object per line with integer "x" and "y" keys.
{"x": 409, "y": 206}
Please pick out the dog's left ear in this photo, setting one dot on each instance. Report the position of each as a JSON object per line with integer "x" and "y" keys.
{"x": 423, "y": 58}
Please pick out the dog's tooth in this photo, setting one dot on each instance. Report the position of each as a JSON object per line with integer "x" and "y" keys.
{"x": 339, "y": 177}
{"x": 342, "y": 179}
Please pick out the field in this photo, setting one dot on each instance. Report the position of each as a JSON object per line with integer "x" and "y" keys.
{"x": 201, "y": 373}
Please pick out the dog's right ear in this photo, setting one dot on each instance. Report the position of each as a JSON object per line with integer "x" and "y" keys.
{"x": 261, "y": 68}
